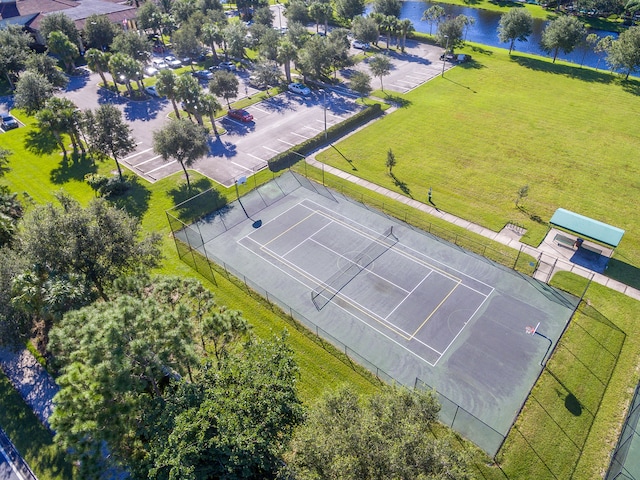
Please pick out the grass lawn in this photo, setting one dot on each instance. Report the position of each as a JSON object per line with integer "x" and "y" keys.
{"x": 495, "y": 124}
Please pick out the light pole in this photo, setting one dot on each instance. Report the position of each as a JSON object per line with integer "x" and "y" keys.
{"x": 325, "y": 113}
{"x": 444, "y": 56}
{"x": 279, "y": 15}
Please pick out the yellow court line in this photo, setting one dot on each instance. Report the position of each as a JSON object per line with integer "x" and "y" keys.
{"x": 435, "y": 310}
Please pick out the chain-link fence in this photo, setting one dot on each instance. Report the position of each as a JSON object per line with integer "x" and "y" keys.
{"x": 622, "y": 465}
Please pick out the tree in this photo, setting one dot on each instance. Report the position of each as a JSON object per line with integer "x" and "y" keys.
{"x": 337, "y": 48}
{"x": 210, "y": 35}
{"x": 350, "y": 9}
{"x": 166, "y": 87}
{"x": 182, "y": 140}
{"x": 287, "y": 53}
{"x": 133, "y": 45}
{"x": 405, "y": 26}
{"x": 235, "y": 422}
{"x": 185, "y": 43}
{"x": 388, "y": 7}
{"x": 380, "y": 66}
{"x": 267, "y": 73}
{"x": 391, "y": 161}
{"x": 296, "y": 12}
{"x": 10, "y": 208}
{"x": 59, "y": 22}
{"x": 624, "y": 53}
{"x": 60, "y": 45}
{"x": 433, "y": 14}
{"x": 99, "y": 32}
{"x": 603, "y": 46}
{"x": 320, "y": 12}
{"x": 314, "y": 58}
{"x": 15, "y": 325}
{"x": 123, "y": 69}
{"x": 450, "y": 32}
{"x": 235, "y": 36}
{"x": 365, "y": 29}
{"x": 563, "y": 33}
{"x": 14, "y": 51}
{"x": 32, "y": 91}
{"x": 383, "y": 436}
{"x": 149, "y": 17}
{"x": 98, "y": 62}
{"x": 263, "y": 16}
{"x": 268, "y": 45}
{"x": 387, "y": 26}
{"x": 48, "y": 68}
{"x": 224, "y": 84}
{"x": 210, "y": 106}
{"x": 58, "y": 118}
{"x": 515, "y": 24}
{"x": 108, "y": 134}
{"x": 182, "y": 10}
{"x": 99, "y": 242}
{"x": 190, "y": 93}
{"x": 523, "y": 192}
{"x": 116, "y": 358}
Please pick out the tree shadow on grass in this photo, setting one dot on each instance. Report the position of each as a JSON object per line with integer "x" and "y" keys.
{"x": 135, "y": 201}
{"x": 73, "y": 169}
{"x": 402, "y": 186}
{"x": 192, "y": 204}
{"x": 41, "y": 142}
{"x": 398, "y": 101}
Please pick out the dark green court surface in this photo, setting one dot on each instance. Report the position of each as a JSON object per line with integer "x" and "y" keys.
{"x": 420, "y": 309}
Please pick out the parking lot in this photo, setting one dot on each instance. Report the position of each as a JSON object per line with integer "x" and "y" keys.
{"x": 278, "y": 123}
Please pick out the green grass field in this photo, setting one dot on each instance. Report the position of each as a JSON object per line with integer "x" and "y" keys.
{"x": 496, "y": 124}
{"x": 476, "y": 136}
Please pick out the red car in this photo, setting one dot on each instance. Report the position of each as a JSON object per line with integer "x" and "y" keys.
{"x": 241, "y": 115}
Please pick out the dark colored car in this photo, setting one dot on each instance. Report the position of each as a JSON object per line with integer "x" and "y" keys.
{"x": 241, "y": 115}
{"x": 7, "y": 122}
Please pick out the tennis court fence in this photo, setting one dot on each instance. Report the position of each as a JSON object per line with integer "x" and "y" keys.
{"x": 451, "y": 413}
{"x": 630, "y": 434}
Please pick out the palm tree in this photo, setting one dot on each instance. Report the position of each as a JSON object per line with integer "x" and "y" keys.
{"x": 166, "y": 87}
{"x": 188, "y": 90}
{"x": 210, "y": 106}
{"x": 388, "y": 25}
{"x": 98, "y": 62}
{"x": 210, "y": 35}
{"x": 48, "y": 121}
{"x": 405, "y": 26}
{"x": 66, "y": 110}
{"x": 287, "y": 53}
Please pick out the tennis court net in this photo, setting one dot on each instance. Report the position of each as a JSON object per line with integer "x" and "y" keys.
{"x": 324, "y": 293}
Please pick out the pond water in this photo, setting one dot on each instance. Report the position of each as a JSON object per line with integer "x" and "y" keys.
{"x": 485, "y": 31}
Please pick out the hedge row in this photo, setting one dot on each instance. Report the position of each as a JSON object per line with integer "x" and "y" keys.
{"x": 289, "y": 157}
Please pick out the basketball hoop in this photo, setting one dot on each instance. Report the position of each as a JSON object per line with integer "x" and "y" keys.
{"x": 531, "y": 330}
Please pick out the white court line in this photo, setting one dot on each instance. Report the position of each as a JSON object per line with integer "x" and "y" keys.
{"x": 147, "y": 161}
{"x": 13, "y": 467}
{"x": 409, "y": 293}
{"x": 160, "y": 167}
{"x": 137, "y": 153}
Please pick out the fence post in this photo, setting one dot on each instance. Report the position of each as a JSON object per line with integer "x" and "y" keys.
{"x": 455, "y": 415}
{"x": 515, "y": 264}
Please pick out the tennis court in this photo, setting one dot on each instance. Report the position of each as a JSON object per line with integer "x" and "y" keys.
{"x": 420, "y": 309}
{"x": 401, "y": 293}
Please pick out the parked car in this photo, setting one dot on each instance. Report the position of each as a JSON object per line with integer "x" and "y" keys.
{"x": 160, "y": 64}
{"x": 7, "y": 122}
{"x": 230, "y": 66}
{"x": 150, "y": 70}
{"x": 255, "y": 82}
{"x": 203, "y": 75}
{"x": 360, "y": 45}
{"x": 299, "y": 88}
{"x": 152, "y": 91}
{"x": 172, "y": 61}
{"x": 239, "y": 114}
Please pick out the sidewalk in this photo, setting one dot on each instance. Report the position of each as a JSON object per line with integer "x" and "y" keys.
{"x": 555, "y": 258}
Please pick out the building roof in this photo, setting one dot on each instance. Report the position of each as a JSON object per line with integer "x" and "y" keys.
{"x": 588, "y": 227}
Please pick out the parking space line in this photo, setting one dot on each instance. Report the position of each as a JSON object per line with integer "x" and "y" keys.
{"x": 160, "y": 167}
{"x": 270, "y": 149}
{"x": 241, "y": 166}
{"x": 257, "y": 158}
{"x": 147, "y": 161}
{"x": 253, "y": 107}
{"x": 287, "y": 143}
{"x": 137, "y": 153}
{"x": 299, "y": 135}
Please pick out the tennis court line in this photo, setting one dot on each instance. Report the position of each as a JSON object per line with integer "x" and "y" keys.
{"x": 409, "y": 292}
{"x": 357, "y": 306}
{"x": 435, "y": 309}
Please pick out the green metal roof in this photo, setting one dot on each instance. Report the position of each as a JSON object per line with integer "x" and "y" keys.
{"x": 601, "y": 232}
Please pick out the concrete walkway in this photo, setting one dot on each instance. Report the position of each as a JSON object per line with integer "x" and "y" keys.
{"x": 551, "y": 256}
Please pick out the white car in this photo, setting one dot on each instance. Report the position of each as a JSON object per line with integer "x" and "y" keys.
{"x": 152, "y": 91}
{"x": 160, "y": 64}
{"x": 299, "y": 88}
{"x": 230, "y": 66}
{"x": 360, "y": 45}
{"x": 150, "y": 70}
{"x": 172, "y": 61}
